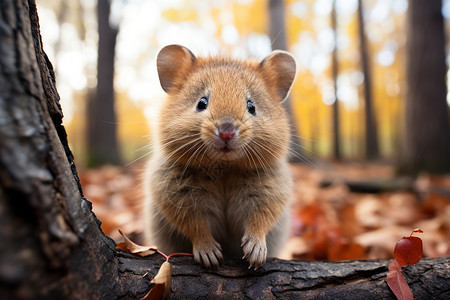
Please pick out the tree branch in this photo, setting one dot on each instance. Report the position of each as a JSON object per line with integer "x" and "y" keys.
{"x": 279, "y": 279}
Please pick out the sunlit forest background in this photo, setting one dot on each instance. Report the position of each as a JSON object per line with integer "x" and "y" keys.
{"x": 324, "y": 36}
{"x": 370, "y": 97}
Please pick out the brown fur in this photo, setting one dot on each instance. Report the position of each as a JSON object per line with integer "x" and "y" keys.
{"x": 206, "y": 200}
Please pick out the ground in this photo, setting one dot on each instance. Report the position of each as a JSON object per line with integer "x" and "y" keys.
{"x": 341, "y": 211}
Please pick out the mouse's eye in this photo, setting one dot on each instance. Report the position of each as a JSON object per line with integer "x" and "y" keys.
{"x": 251, "y": 107}
{"x": 202, "y": 104}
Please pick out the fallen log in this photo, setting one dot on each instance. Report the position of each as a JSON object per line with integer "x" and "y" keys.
{"x": 280, "y": 279}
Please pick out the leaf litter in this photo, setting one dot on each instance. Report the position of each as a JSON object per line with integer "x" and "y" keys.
{"x": 340, "y": 212}
{"x": 329, "y": 221}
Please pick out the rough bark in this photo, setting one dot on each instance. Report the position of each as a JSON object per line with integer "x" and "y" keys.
{"x": 371, "y": 129}
{"x": 427, "y": 127}
{"x": 101, "y": 132}
{"x": 279, "y": 279}
{"x": 51, "y": 245}
{"x": 50, "y": 241}
{"x": 277, "y": 34}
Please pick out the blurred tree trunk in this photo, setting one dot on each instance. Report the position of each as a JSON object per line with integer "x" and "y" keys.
{"x": 277, "y": 34}
{"x": 101, "y": 126}
{"x": 427, "y": 130}
{"x": 371, "y": 130}
{"x": 335, "y": 72}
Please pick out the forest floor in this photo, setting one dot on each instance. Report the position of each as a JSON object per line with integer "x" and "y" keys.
{"x": 341, "y": 211}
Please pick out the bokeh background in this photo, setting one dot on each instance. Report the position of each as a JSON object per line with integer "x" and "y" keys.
{"x": 356, "y": 84}
{"x": 239, "y": 28}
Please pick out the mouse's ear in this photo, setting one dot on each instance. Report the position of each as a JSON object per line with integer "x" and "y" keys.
{"x": 279, "y": 71}
{"x": 173, "y": 63}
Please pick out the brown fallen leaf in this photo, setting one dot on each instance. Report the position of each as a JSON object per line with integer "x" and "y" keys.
{"x": 346, "y": 250}
{"x": 155, "y": 293}
{"x": 397, "y": 282}
{"x": 132, "y": 247}
{"x": 162, "y": 282}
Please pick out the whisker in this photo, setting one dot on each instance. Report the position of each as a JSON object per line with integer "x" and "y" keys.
{"x": 138, "y": 159}
{"x": 191, "y": 158}
{"x": 267, "y": 150}
{"x": 261, "y": 160}
{"x": 191, "y": 145}
{"x": 171, "y": 141}
{"x": 177, "y": 150}
{"x": 248, "y": 156}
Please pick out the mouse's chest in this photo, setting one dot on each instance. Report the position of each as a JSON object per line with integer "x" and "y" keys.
{"x": 218, "y": 180}
{"x": 216, "y": 173}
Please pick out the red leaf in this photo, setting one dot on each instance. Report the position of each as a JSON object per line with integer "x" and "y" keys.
{"x": 408, "y": 250}
{"x": 397, "y": 282}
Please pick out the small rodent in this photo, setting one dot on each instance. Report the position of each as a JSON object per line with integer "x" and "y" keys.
{"x": 218, "y": 180}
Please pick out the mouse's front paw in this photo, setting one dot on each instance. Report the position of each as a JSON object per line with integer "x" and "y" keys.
{"x": 208, "y": 255}
{"x": 255, "y": 250}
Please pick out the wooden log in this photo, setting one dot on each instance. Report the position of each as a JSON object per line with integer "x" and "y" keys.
{"x": 280, "y": 279}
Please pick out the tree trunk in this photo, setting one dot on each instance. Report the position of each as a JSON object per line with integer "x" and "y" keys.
{"x": 335, "y": 72}
{"x": 427, "y": 128}
{"x": 51, "y": 245}
{"x": 371, "y": 130}
{"x": 101, "y": 126}
{"x": 277, "y": 34}
{"x": 50, "y": 242}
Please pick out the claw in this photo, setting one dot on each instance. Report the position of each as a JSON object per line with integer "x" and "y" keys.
{"x": 209, "y": 256}
{"x": 255, "y": 251}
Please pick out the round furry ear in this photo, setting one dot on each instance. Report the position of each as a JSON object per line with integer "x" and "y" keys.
{"x": 279, "y": 71}
{"x": 173, "y": 63}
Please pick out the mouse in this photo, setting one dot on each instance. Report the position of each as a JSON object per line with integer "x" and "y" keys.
{"x": 218, "y": 183}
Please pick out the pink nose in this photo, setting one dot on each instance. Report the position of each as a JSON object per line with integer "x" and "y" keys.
{"x": 226, "y": 136}
{"x": 226, "y": 131}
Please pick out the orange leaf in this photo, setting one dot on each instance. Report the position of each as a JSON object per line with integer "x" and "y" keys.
{"x": 132, "y": 247}
{"x": 397, "y": 282}
{"x": 162, "y": 279}
{"x": 345, "y": 251}
{"x": 311, "y": 214}
{"x": 408, "y": 250}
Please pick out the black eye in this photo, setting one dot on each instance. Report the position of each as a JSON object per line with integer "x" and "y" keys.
{"x": 202, "y": 104}
{"x": 251, "y": 107}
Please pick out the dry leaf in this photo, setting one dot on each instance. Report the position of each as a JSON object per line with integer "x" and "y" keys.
{"x": 375, "y": 221}
{"x": 155, "y": 293}
{"x": 162, "y": 282}
{"x": 132, "y": 247}
{"x": 383, "y": 238}
{"x": 346, "y": 251}
{"x": 397, "y": 282}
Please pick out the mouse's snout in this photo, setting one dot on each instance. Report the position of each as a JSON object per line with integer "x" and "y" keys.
{"x": 226, "y": 131}
{"x": 227, "y": 134}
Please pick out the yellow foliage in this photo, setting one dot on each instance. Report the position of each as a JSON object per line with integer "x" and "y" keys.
{"x": 185, "y": 13}
{"x": 133, "y": 129}
{"x": 250, "y": 17}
